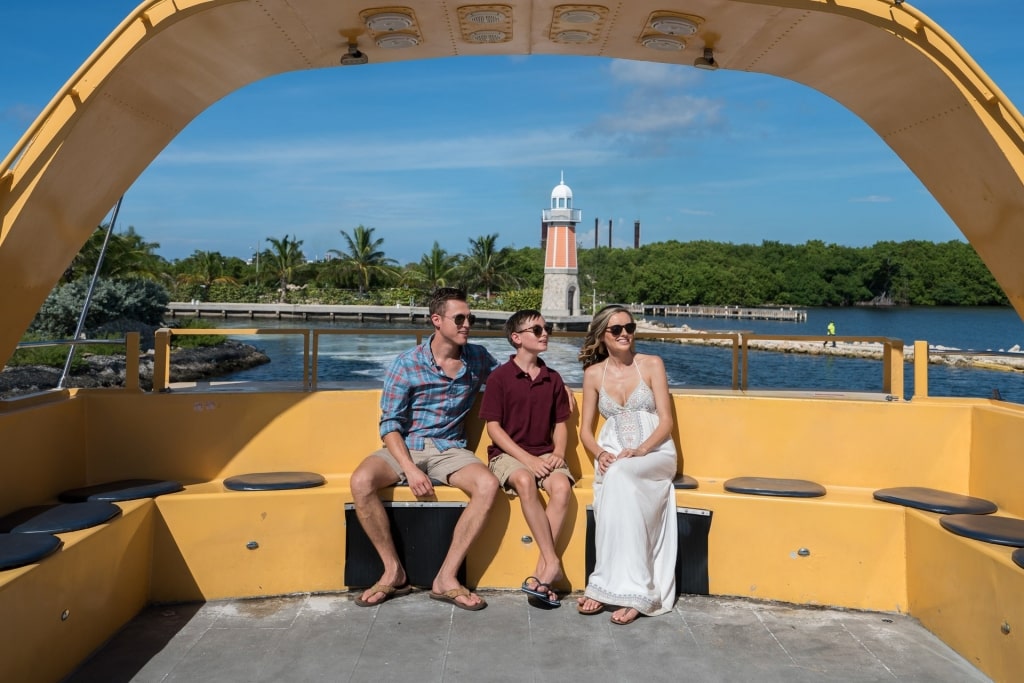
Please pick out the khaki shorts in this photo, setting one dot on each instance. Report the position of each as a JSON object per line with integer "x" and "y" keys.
{"x": 439, "y": 465}
{"x": 504, "y": 465}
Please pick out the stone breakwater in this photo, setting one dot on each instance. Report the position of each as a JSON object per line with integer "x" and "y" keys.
{"x": 109, "y": 371}
{"x": 1010, "y": 360}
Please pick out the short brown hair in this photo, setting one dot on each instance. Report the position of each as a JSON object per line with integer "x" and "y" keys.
{"x": 441, "y": 296}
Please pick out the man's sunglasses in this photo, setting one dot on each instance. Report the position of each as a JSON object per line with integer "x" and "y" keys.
{"x": 537, "y": 329}
{"x": 463, "y": 318}
{"x": 616, "y": 330}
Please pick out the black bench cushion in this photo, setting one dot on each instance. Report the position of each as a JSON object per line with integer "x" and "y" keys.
{"x": 125, "y": 489}
{"x": 59, "y": 518}
{"x": 987, "y": 528}
{"x": 17, "y": 550}
{"x": 685, "y": 481}
{"x": 934, "y": 500}
{"x": 769, "y": 486}
{"x": 1018, "y": 557}
{"x": 274, "y": 481}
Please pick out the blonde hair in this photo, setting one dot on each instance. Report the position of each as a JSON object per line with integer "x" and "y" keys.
{"x": 594, "y": 350}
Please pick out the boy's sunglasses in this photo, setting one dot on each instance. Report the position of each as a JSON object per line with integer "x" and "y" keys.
{"x": 616, "y": 330}
{"x": 538, "y": 329}
{"x": 463, "y": 318}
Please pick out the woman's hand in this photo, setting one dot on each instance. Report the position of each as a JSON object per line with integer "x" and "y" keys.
{"x": 632, "y": 453}
{"x": 604, "y": 461}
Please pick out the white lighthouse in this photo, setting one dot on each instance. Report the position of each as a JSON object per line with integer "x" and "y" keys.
{"x": 561, "y": 286}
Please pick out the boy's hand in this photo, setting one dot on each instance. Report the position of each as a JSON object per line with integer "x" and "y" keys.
{"x": 540, "y": 467}
{"x": 555, "y": 460}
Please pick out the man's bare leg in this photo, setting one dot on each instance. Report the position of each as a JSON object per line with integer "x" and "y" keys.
{"x": 372, "y": 475}
{"x": 477, "y": 482}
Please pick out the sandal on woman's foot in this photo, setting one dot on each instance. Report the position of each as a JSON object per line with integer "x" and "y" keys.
{"x": 627, "y": 621}
{"x": 593, "y": 610}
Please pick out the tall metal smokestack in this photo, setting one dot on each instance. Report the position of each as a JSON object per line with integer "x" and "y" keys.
{"x": 636, "y": 234}
{"x": 609, "y": 233}
{"x": 596, "y": 231}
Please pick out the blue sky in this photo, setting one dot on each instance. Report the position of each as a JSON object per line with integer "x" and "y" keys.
{"x": 477, "y": 144}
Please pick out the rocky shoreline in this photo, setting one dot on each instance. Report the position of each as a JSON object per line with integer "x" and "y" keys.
{"x": 1008, "y": 360}
{"x": 109, "y": 371}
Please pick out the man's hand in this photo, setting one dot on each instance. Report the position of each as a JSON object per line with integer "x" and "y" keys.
{"x": 419, "y": 483}
{"x": 555, "y": 460}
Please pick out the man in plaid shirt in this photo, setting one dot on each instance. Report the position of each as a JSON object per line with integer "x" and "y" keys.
{"x": 428, "y": 391}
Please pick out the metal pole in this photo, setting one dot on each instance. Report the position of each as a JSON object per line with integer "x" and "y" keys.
{"x": 88, "y": 294}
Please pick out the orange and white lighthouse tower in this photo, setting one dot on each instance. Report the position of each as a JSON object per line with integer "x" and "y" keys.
{"x": 561, "y": 286}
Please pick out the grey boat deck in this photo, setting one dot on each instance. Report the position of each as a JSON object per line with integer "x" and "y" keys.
{"x": 414, "y": 638}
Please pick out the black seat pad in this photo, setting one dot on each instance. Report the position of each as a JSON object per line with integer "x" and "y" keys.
{"x": 987, "y": 528}
{"x": 59, "y": 518}
{"x": 274, "y": 481}
{"x": 769, "y": 486}
{"x": 17, "y": 550}
{"x": 125, "y": 489}
{"x": 684, "y": 481}
{"x": 934, "y": 500}
{"x": 1018, "y": 557}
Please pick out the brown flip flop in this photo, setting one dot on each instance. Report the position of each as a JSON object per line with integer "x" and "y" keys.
{"x": 451, "y": 595}
{"x": 388, "y": 591}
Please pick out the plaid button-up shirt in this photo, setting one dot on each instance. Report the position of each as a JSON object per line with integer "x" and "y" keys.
{"x": 421, "y": 402}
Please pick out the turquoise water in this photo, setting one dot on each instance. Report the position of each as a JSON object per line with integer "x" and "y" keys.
{"x": 364, "y": 358}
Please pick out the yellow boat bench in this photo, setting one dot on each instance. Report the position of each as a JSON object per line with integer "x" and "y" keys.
{"x": 205, "y": 542}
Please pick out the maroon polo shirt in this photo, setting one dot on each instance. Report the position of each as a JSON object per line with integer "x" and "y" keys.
{"x": 526, "y": 409}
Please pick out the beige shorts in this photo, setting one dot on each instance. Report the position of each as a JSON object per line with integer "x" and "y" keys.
{"x": 439, "y": 465}
{"x": 504, "y": 465}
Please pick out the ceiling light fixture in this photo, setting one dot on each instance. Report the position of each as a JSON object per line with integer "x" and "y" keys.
{"x": 490, "y": 36}
{"x": 579, "y": 16}
{"x": 394, "y": 41}
{"x": 674, "y": 26}
{"x": 485, "y": 16}
{"x": 706, "y": 62}
{"x": 384, "y": 22}
{"x": 659, "y": 43}
{"x": 575, "y": 36}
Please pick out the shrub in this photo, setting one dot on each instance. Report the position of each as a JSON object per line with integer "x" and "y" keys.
{"x": 142, "y": 301}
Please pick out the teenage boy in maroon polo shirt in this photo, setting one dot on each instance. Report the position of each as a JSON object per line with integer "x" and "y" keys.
{"x": 525, "y": 407}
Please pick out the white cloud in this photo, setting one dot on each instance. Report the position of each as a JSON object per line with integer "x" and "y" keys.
{"x": 651, "y": 74}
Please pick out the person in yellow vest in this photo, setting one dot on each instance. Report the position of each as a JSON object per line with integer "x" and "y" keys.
{"x": 831, "y": 332}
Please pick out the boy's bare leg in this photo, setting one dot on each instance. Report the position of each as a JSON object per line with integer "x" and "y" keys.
{"x": 372, "y": 475}
{"x": 481, "y": 486}
{"x": 549, "y": 567}
{"x": 559, "y": 489}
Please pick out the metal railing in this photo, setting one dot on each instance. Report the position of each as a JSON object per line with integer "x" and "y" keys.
{"x": 739, "y": 343}
{"x": 130, "y": 342}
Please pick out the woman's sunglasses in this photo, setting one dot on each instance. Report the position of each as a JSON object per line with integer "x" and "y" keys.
{"x": 616, "y": 330}
{"x": 463, "y": 318}
{"x": 537, "y": 329}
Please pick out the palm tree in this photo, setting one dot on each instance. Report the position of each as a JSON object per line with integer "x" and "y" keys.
{"x": 128, "y": 256}
{"x": 487, "y": 266}
{"x": 364, "y": 259}
{"x": 283, "y": 257}
{"x": 437, "y": 268}
{"x": 205, "y": 268}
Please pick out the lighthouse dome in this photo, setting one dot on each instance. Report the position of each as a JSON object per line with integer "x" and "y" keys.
{"x": 561, "y": 196}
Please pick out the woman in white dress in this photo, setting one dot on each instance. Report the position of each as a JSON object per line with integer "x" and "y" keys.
{"x": 635, "y": 463}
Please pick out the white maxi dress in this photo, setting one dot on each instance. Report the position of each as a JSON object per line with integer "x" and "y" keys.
{"x": 634, "y": 510}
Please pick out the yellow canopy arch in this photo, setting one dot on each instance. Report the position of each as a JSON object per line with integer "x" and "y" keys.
{"x": 171, "y": 59}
